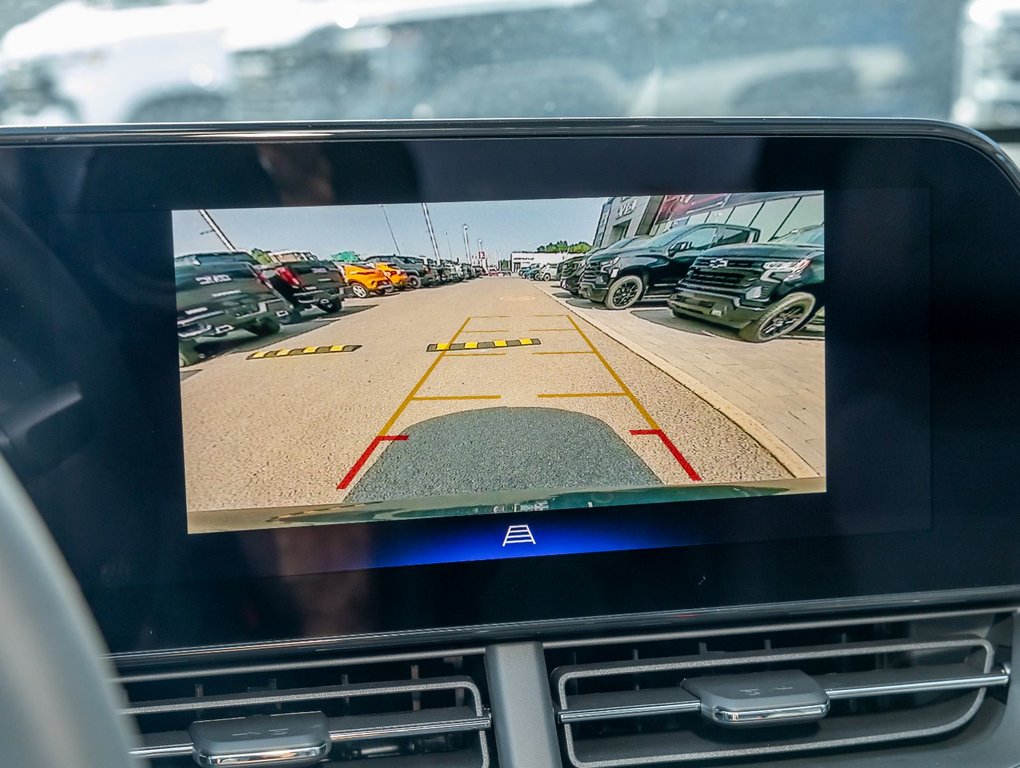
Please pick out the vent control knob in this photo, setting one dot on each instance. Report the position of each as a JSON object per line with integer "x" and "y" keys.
{"x": 278, "y": 741}
{"x": 762, "y": 698}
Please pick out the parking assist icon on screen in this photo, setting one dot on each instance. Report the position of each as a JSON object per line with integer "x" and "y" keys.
{"x": 518, "y": 534}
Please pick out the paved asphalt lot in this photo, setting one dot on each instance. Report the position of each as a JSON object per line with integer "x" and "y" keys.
{"x": 573, "y": 409}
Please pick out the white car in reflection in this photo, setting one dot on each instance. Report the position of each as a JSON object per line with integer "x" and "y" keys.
{"x": 116, "y": 61}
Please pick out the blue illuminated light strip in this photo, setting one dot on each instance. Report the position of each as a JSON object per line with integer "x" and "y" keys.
{"x": 485, "y": 541}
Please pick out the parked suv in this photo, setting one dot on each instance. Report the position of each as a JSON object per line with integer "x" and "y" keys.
{"x": 571, "y": 269}
{"x": 365, "y": 279}
{"x": 650, "y": 267}
{"x": 766, "y": 291}
{"x": 218, "y": 295}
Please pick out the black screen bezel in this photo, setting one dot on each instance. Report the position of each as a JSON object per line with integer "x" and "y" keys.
{"x": 972, "y": 196}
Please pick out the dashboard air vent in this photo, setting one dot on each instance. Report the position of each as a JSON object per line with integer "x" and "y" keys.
{"x": 405, "y": 710}
{"x": 642, "y": 700}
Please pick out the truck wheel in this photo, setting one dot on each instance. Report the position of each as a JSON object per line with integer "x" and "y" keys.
{"x": 624, "y": 292}
{"x": 784, "y": 317}
{"x": 413, "y": 281}
{"x": 359, "y": 291}
{"x": 187, "y": 355}
{"x": 331, "y": 307}
{"x": 267, "y": 326}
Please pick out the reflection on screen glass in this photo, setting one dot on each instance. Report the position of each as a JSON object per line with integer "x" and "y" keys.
{"x": 379, "y": 362}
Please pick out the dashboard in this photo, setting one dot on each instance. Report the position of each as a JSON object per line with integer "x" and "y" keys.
{"x": 527, "y": 386}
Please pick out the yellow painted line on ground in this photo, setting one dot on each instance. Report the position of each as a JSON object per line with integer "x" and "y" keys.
{"x": 616, "y": 377}
{"x": 272, "y": 354}
{"x": 456, "y": 347}
{"x": 414, "y": 390}
{"x": 460, "y": 397}
{"x": 577, "y": 352}
{"x": 585, "y": 394}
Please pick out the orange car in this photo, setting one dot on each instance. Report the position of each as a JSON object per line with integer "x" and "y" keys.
{"x": 365, "y": 279}
{"x": 396, "y": 276}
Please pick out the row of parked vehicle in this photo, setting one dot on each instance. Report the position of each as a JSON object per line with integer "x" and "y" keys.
{"x": 718, "y": 273}
{"x": 223, "y": 291}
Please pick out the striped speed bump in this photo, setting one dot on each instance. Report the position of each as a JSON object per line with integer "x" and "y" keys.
{"x": 298, "y": 351}
{"x": 500, "y": 344}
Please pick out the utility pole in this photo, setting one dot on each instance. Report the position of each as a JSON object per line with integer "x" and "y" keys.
{"x": 216, "y": 229}
{"x": 390, "y": 228}
{"x": 432, "y": 232}
{"x": 467, "y": 247}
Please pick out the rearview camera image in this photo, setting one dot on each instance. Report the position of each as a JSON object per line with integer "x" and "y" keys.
{"x": 385, "y": 362}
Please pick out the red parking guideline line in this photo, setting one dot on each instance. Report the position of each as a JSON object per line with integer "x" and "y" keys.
{"x": 680, "y": 459}
{"x": 349, "y": 477}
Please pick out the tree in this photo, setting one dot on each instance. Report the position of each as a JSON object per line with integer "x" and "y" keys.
{"x": 561, "y": 246}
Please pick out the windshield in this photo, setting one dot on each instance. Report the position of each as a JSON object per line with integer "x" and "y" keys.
{"x": 806, "y": 236}
{"x": 666, "y": 238}
{"x": 120, "y": 61}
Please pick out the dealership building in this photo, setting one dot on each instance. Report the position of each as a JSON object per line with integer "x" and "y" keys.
{"x": 773, "y": 213}
{"x": 626, "y": 217}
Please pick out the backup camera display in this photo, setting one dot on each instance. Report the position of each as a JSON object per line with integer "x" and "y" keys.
{"x": 359, "y": 363}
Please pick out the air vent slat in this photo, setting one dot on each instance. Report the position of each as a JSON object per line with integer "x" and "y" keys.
{"x": 295, "y": 695}
{"x": 353, "y": 728}
{"x": 422, "y": 722}
{"x": 397, "y": 710}
{"x": 847, "y": 685}
{"x": 626, "y": 704}
{"x": 855, "y": 730}
{"x": 608, "y": 706}
{"x": 885, "y": 682}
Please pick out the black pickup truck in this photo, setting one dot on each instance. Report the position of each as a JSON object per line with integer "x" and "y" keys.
{"x": 303, "y": 280}
{"x": 215, "y": 299}
{"x": 766, "y": 290}
{"x": 620, "y": 278}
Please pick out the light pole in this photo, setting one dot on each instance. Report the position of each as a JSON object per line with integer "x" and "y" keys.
{"x": 449, "y": 248}
{"x": 467, "y": 248}
{"x": 390, "y": 228}
{"x": 431, "y": 231}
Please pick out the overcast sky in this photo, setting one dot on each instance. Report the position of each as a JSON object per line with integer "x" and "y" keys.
{"x": 512, "y": 225}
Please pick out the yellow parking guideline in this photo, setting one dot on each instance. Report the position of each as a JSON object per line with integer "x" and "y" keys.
{"x": 585, "y": 394}
{"x": 500, "y": 343}
{"x": 272, "y": 354}
{"x": 458, "y": 397}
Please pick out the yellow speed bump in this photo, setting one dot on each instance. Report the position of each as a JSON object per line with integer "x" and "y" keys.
{"x": 498, "y": 344}
{"x": 267, "y": 354}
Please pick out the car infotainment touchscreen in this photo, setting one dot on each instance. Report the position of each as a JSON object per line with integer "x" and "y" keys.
{"x": 346, "y": 364}
{"x": 295, "y": 381}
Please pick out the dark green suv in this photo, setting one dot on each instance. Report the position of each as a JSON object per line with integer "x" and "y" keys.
{"x": 766, "y": 291}
{"x": 651, "y": 267}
